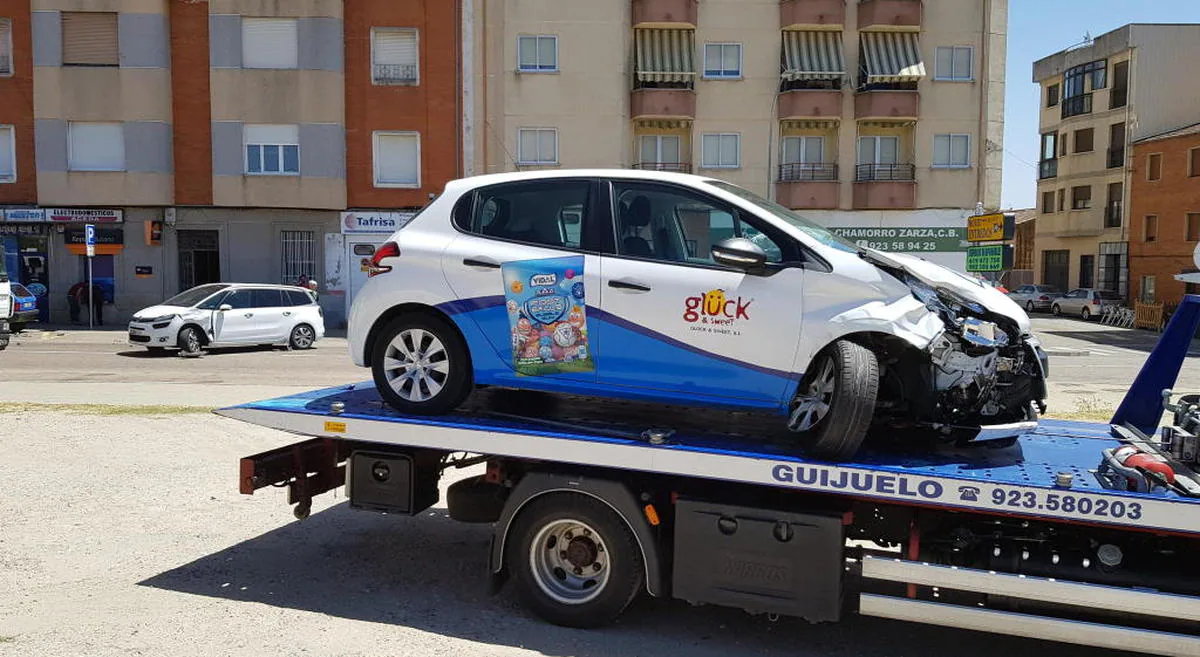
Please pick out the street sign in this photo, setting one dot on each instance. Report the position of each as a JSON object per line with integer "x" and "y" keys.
{"x": 89, "y": 239}
{"x": 991, "y": 258}
{"x": 995, "y": 227}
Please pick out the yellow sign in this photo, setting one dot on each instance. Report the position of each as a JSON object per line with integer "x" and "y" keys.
{"x": 986, "y": 228}
{"x": 335, "y": 427}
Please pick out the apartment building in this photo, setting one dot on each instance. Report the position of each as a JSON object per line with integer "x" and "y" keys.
{"x": 241, "y": 140}
{"x": 881, "y": 118}
{"x": 1097, "y": 98}
{"x": 1164, "y": 217}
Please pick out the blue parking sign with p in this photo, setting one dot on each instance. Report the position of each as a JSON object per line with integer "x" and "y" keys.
{"x": 89, "y": 235}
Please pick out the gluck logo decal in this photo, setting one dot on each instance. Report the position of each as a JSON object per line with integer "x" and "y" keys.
{"x": 716, "y": 313}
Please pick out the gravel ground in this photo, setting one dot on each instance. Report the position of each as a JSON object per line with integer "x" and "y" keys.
{"x": 125, "y": 535}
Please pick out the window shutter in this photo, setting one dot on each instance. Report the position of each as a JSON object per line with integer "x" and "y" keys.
{"x": 398, "y": 161}
{"x": 6, "y": 154}
{"x": 960, "y": 146}
{"x": 941, "y": 150}
{"x": 97, "y": 147}
{"x": 814, "y": 150}
{"x": 5, "y": 46}
{"x": 670, "y": 150}
{"x": 394, "y": 56}
{"x": 90, "y": 38}
{"x": 272, "y": 134}
{"x": 269, "y": 43}
{"x": 547, "y": 145}
{"x": 962, "y": 63}
{"x": 649, "y": 148}
{"x": 791, "y": 150}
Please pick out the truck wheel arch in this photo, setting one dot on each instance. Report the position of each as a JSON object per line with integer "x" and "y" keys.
{"x": 617, "y": 496}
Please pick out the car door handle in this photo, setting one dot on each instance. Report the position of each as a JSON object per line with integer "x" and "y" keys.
{"x": 481, "y": 262}
{"x": 287, "y": 313}
{"x": 249, "y": 314}
{"x": 628, "y": 285}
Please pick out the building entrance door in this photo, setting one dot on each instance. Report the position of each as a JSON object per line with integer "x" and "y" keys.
{"x": 199, "y": 258}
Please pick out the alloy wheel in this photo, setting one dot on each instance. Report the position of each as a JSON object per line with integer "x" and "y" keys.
{"x": 303, "y": 337}
{"x": 416, "y": 365}
{"x": 813, "y": 405}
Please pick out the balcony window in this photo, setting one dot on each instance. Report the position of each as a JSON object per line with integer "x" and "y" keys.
{"x": 1116, "y": 146}
{"x": 1048, "y": 202}
{"x": 721, "y": 151}
{"x": 1085, "y": 140}
{"x": 5, "y": 47}
{"x": 1048, "y": 164}
{"x": 813, "y": 60}
{"x": 1120, "y": 90}
{"x": 1081, "y": 197}
{"x": 802, "y": 158}
{"x": 1076, "y": 105}
{"x": 954, "y": 63}
{"x": 878, "y": 160}
{"x": 951, "y": 151}
{"x": 1062, "y": 200}
{"x": 661, "y": 153}
{"x": 537, "y": 53}
{"x": 1112, "y": 209}
{"x": 664, "y": 59}
{"x": 394, "y": 56}
{"x": 723, "y": 60}
{"x": 270, "y": 43}
{"x": 89, "y": 38}
{"x": 890, "y": 61}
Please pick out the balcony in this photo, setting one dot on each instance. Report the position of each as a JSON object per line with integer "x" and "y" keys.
{"x": 651, "y": 103}
{"x": 1116, "y": 158}
{"x": 676, "y": 167}
{"x": 664, "y": 13}
{"x": 888, "y": 104}
{"x": 810, "y": 104}
{"x": 812, "y": 14}
{"x": 1118, "y": 98}
{"x": 1112, "y": 214}
{"x": 807, "y": 186}
{"x": 1075, "y": 223}
{"x": 1076, "y": 105}
{"x": 885, "y": 187}
{"x": 1047, "y": 169}
{"x": 394, "y": 73}
{"x": 896, "y": 15}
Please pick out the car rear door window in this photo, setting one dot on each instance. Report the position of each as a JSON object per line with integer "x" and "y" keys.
{"x": 267, "y": 298}
{"x": 549, "y": 213}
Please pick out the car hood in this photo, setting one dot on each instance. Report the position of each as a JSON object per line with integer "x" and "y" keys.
{"x": 936, "y": 276}
{"x": 159, "y": 311}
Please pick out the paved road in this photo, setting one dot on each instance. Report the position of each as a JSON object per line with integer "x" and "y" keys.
{"x": 127, "y": 536}
{"x": 1091, "y": 368}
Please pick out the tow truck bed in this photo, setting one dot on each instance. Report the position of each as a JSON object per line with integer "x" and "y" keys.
{"x": 1017, "y": 481}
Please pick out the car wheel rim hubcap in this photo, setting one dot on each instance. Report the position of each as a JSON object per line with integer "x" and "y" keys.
{"x": 569, "y": 561}
{"x": 813, "y": 404}
{"x": 416, "y": 365}
{"x": 192, "y": 342}
{"x": 304, "y": 337}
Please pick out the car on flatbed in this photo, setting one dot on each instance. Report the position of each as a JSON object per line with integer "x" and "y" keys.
{"x": 683, "y": 289}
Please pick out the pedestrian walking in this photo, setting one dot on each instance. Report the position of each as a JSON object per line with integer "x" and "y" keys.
{"x": 73, "y": 303}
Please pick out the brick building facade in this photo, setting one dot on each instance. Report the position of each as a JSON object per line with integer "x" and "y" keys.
{"x": 1164, "y": 225}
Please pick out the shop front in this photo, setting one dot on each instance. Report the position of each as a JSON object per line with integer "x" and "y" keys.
{"x": 361, "y": 234}
{"x": 71, "y": 262}
{"x": 26, "y": 240}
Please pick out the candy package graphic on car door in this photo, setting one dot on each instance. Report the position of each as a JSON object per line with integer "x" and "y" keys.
{"x": 547, "y": 317}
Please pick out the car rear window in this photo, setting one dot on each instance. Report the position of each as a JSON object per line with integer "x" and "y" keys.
{"x": 1110, "y": 296}
{"x": 267, "y": 298}
{"x": 297, "y": 297}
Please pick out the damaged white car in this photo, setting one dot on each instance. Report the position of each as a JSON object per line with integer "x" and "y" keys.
{"x": 683, "y": 289}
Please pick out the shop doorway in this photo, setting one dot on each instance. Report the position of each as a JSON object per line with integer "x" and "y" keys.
{"x": 199, "y": 257}
{"x": 28, "y": 249}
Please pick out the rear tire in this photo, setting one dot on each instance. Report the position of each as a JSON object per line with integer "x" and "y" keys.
{"x": 845, "y": 376}
{"x": 421, "y": 365}
{"x": 1085, "y": 314}
{"x": 1055, "y": 310}
{"x": 303, "y": 336}
{"x": 554, "y": 548}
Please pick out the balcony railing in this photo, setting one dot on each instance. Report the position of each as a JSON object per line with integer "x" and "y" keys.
{"x": 1112, "y": 214}
{"x": 885, "y": 172}
{"x": 1118, "y": 98}
{"x": 1076, "y": 105}
{"x": 1116, "y": 158}
{"x": 677, "y": 167}
{"x": 1047, "y": 169}
{"x": 808, "y": 172}
{"x": 395, "y": 73}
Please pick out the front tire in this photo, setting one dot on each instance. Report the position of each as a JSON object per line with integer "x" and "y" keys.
{"x": 575, "y": 561}
{"x": 190, "y": 341}
{"x": 420, "y": 365}
{"x": 835, "y": 405}
{"x": 1029, "y": 306}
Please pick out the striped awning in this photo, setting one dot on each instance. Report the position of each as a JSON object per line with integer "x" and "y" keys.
{"x": 665, "y": 55}
{"x": 892, "y": 57}
{"x": 813, "y": 56}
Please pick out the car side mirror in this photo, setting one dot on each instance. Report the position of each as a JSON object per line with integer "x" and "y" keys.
{"x": 223, "y": 307}
{"x": 739, "y": 252}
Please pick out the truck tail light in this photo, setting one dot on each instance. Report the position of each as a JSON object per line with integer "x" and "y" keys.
{"x": 1043, "y": 298}
{"x": 1095, "y": 302}
{"x": 385, "y": 250}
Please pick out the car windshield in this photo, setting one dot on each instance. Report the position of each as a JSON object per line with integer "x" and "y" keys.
{"x": 189, "y": 298}
{"x": 819, "y": 233}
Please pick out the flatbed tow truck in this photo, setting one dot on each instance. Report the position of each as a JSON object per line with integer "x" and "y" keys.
{"x": 1082, "y": 533}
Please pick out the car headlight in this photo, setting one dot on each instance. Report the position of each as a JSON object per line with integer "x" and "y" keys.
{"x": 161, "y": 318}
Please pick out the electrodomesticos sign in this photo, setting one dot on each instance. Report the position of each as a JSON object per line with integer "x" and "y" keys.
{"x": 85, "y": 215}
{"x": 995, "y": 227}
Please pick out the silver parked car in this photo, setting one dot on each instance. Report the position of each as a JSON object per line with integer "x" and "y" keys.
{"x": 1085, "y": 302}
{"x": 1035, "y": 297}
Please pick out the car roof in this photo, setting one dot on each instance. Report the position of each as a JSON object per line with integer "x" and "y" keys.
{"x": 267, "y": 285}
{"x": 462, "y": 185}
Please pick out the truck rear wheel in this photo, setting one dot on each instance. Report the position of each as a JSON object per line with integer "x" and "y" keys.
{"x": 575, "y": 561}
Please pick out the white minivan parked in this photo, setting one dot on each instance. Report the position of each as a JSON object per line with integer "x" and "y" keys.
{"x": 227, "y": 314}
